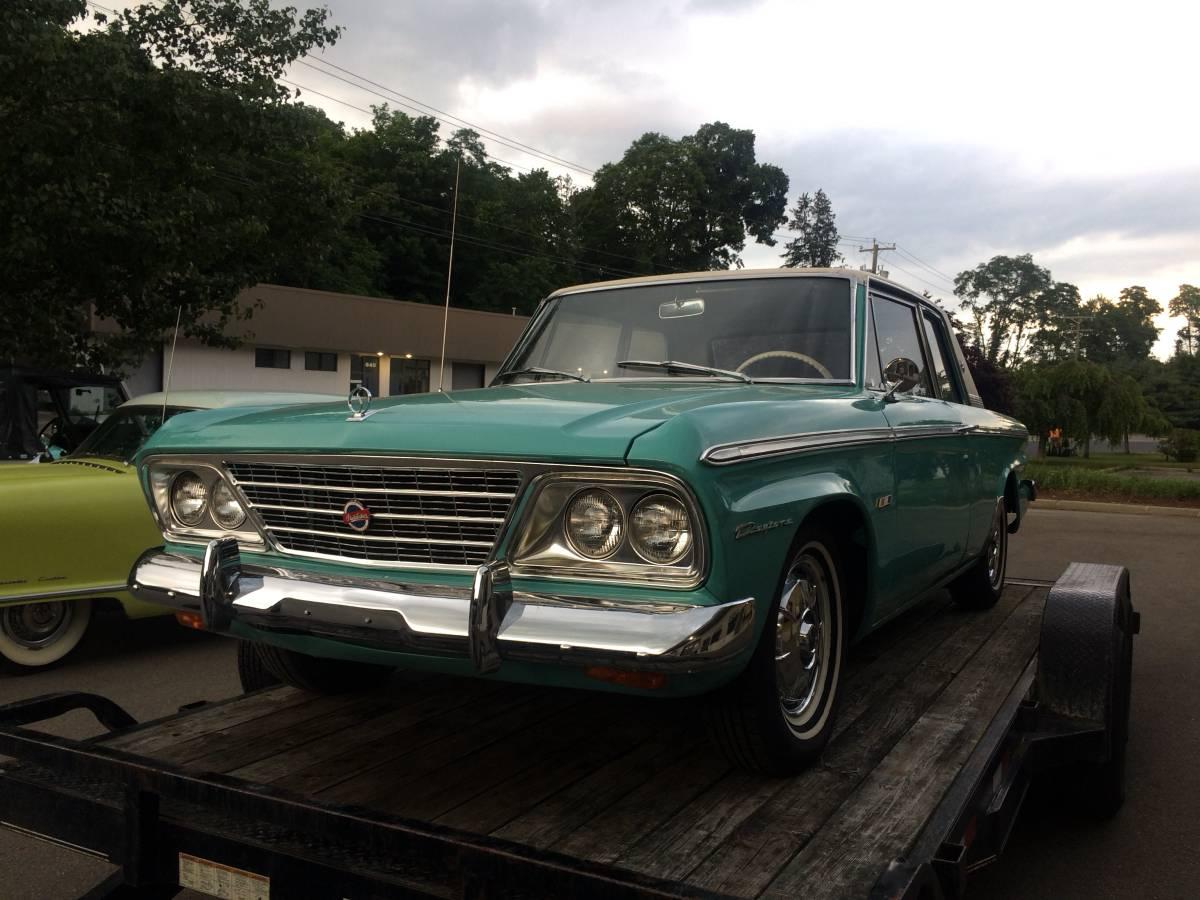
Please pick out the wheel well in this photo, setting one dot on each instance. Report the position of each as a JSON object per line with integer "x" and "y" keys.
{"x": 846, "y": 521}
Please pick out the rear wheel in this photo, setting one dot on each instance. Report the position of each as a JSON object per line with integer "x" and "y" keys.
{"x": 981, "y": 585}
{"x": 313, "y": 673}
{"x": 36, "y": 635}
{"x": 778, "y": 715}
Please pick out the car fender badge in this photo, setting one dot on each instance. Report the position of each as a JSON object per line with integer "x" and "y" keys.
{"x": 356, "y": 515}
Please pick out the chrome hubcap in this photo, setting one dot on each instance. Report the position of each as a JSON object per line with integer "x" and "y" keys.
{"x": 801, "y": 637}
{"x": 36, "y": 625}
{"x": 996, "y": 549}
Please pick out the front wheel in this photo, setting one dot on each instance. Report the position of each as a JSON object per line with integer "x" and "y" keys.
{"x": 36, "y": 635}
{"x": 778, "y": 715}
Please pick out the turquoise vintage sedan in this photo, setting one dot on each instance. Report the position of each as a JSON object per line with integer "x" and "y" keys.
{"x": 706, "y": 483}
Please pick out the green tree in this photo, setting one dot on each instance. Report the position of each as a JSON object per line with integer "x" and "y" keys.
{"x": 1082, "y": 399}
{"x": 1187, "y": 304}
{"x": 1120, "y": 332}
{"x": 1002, "y": 295}
{"x": 817, "y": 242}
{"x": 152, "y": 166}
{"x": 670, "y": 205}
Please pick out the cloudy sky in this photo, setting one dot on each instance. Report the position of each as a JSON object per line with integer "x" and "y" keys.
{"x": 957, "y": 130}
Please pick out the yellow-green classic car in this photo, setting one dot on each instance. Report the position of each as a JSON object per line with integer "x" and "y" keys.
{"x": 692, "y": 484}
{"x": 70, "y": 529}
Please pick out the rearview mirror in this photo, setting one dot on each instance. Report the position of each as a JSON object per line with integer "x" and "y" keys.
{"x": 901, "y": 374}
{"x": 681, "y": 309}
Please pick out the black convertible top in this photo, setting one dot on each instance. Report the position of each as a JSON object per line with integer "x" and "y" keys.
{"x": 18, "y": 404}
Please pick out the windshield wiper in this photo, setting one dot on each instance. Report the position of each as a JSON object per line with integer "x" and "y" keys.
{"x": 670, "y": 365}
{"x": 538, "y": 370}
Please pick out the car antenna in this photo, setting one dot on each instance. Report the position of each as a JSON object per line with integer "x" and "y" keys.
{"x": 171, "y": 365}
{"x": 449, "y": 271}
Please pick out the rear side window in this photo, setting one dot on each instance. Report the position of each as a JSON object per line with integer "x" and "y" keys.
{"x": 935, "y": 337}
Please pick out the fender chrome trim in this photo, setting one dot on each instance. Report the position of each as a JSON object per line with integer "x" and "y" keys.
{"x": 99, "y": 591}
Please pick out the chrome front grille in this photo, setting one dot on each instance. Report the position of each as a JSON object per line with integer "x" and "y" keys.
{"x": 436, "y": 515}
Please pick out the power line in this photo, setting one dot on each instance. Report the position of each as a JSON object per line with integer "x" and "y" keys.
{"x": 504, "y": 143}
{"x": 484, "y": 131}
{"x": 921, "y": 262}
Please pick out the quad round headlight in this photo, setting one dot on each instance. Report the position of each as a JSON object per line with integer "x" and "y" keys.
{"x": 189, "y": 498}
{"x": 660, "y": 529}
{"x": 226, "y": 509}
{"x": 595, "y": 524}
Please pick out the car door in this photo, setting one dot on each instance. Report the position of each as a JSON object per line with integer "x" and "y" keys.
{"x": 983, "y": 470}
{"x": 931, "y": 502}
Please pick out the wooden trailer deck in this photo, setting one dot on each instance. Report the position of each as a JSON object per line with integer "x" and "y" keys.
{"x": 631, "y": 782}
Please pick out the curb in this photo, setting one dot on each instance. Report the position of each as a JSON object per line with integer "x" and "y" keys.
{"x": 1128, "y": 509}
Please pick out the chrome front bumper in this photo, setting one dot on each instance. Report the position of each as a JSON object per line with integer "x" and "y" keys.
{"x": 487, "y": 623}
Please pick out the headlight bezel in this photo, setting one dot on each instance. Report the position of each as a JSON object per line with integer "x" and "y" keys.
{"x": 537, "y": 546}
{"x": 160, "y": 476}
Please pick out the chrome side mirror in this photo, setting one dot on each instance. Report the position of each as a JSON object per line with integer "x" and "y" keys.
{"x": 901, "y": 374}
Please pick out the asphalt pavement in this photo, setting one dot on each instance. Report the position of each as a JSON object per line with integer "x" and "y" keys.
{"x": 1150, "y": 850}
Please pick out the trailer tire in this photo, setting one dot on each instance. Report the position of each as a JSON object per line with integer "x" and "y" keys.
{"x": 252, "y": 672}
{"x": 1085, "y": 672}
{"x": 772, "y": 719}
{"x": 981, "y": 585}
{"x": 319, "y": 674}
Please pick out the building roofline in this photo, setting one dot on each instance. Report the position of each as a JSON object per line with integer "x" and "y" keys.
{"x": 391, "y": 301}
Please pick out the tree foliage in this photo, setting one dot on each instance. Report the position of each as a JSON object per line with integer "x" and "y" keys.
{"x": 136, "y": 185}
{"x": 670, "y": 205}
{"x": 155, "y": 166}
{"x": 1187, "y": 304}
{"x": 1005, "y": 297}
{"x": 816, "y": 245}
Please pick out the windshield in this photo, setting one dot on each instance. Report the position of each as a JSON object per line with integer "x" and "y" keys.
{"x": 122, "y": 434}
{"x": 765, "y": 328}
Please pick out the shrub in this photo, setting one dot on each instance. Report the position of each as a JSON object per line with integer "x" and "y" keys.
{"x": 1181, "y": 445}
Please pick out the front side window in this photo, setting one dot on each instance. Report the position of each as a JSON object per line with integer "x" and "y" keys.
{"x": 898, "y": 340}
{"x": 768, "y": 329}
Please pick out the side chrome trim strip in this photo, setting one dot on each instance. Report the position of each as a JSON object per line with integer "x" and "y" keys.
{"x": 743, "y": 451}
{"x": 73, "y": 592}
{"x": 726, "y": 454}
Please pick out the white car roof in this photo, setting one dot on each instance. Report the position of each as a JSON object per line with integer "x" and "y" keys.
{"x": 218, "y": 399}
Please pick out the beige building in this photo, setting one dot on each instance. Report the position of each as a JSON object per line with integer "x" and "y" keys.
{"x": 303, "y": 340}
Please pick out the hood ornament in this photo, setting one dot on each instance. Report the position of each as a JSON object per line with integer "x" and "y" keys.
{"x": 359, "y": 402}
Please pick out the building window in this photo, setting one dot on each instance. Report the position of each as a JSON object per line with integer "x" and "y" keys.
{"x": 320, "y": 362}
{"x": 409, "y": 376}
{"x": 466, "y": 376}
{"x": 268, "y": 358}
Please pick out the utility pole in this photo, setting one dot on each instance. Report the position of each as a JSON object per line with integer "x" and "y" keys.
{"x": 1078, "y": 320}
{"x": 874, "y": 251}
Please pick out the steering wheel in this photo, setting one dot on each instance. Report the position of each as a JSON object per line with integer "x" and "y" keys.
{"x": 785, "y": 354}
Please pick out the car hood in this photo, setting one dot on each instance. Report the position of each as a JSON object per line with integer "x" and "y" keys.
{"x": 62, "y": 470}
{"x": 560, "y": 420}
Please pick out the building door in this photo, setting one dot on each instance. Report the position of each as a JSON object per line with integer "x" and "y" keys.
{"x": 364, "y": 370}
{"x": 409, "y": 376}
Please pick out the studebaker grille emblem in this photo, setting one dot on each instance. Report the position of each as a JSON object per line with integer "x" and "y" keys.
{"x": 356, "y": 515}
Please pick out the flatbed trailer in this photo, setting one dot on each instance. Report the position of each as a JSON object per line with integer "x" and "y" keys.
{"x": 450, "y": 787}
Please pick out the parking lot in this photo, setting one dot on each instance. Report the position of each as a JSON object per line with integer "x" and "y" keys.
{"x": 152, "y": 667}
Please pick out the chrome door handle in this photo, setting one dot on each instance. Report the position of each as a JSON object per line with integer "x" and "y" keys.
{"x": 966, "y": 429}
